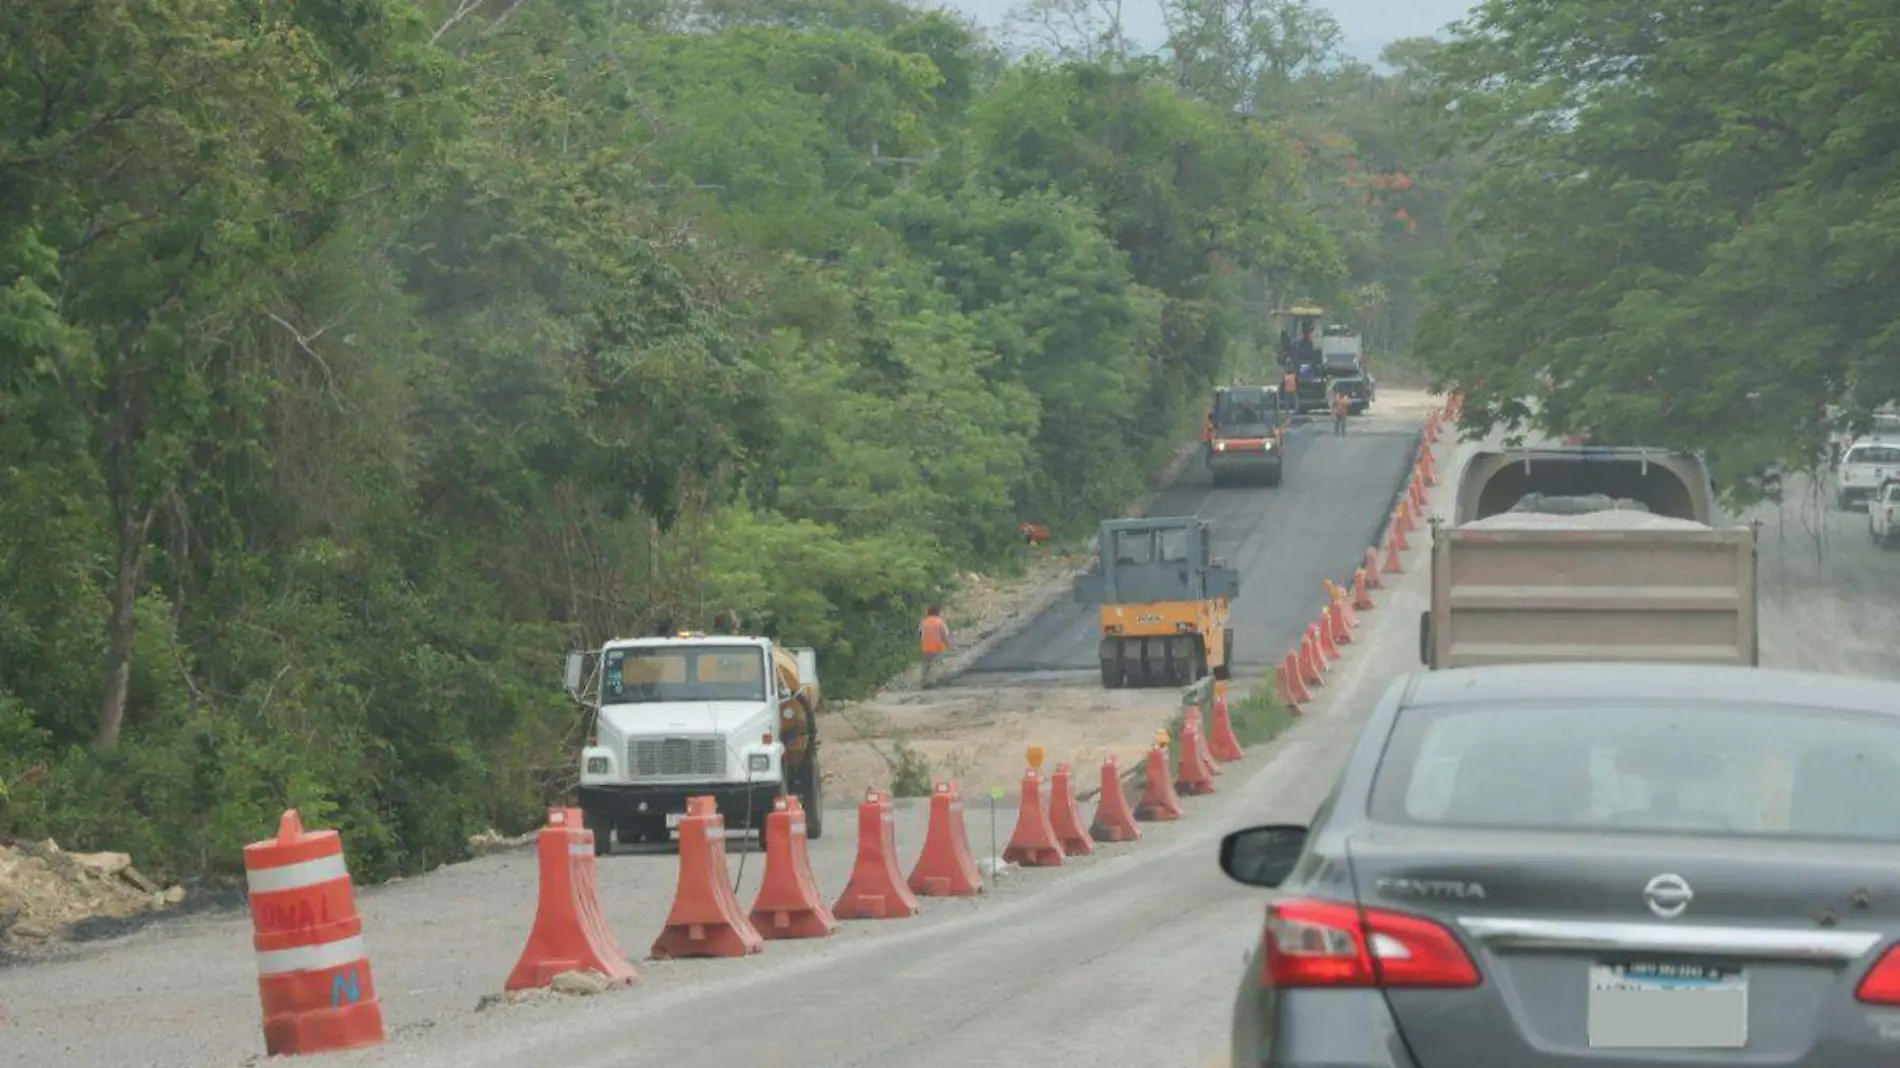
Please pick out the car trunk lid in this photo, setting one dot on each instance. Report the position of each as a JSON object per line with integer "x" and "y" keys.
{"x": 1685, "y": 944}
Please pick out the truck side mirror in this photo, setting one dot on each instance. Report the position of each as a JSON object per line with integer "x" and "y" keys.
{"x": 576, "y": 663}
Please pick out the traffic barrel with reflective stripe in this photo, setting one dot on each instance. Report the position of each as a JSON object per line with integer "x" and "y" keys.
{"x": 313, "y": 972}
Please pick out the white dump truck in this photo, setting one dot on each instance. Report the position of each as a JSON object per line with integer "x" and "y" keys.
{"x": 733, "y": 718}
{"x": 1579, "y": 553}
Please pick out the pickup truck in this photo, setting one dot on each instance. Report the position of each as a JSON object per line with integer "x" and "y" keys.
{"x": 1588, "y": 554}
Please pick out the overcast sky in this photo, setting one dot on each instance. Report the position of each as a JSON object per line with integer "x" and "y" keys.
{"x": 1368, "y": 24}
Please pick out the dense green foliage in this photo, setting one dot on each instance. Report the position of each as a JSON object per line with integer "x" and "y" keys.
{"x": 359, "y": 358}
{"x": 1684, "y": 231}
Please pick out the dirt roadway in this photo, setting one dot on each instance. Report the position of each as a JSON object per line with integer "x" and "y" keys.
{"x": 1038, "y": 683}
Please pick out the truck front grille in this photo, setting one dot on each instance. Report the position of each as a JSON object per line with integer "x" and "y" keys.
{"x": 677, "y": 757}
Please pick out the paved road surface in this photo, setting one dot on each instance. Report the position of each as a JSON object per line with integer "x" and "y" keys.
{"x": 1830, "y": 598}
{"x": 1129, "y": 957}
{"x": 1316, "y": 524}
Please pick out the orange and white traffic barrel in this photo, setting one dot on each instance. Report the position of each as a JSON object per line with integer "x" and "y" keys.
{"x": 313, "y": 972}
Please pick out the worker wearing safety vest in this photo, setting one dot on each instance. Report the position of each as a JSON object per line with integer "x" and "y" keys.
{"x": 933, "y": 641}
{"x": 1342, "y": 407}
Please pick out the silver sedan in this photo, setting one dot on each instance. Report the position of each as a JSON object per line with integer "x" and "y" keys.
{"x": 1585, "y": 865}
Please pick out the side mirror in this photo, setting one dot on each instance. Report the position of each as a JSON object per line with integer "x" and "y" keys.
{"x": 576, "y": 663}
{"x": 1262, "y": 856}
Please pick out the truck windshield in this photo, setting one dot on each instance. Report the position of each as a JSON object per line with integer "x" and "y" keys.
{"x": 1873, "y": 454}
{"x": 651, "y": 674}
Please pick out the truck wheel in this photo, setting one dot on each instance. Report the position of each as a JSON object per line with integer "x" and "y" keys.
{"x": 603, "y": 828}
{"x": 1225, "y": 669}
{"x": 1273, "y": 477}
{"x": 1111, "y": 673}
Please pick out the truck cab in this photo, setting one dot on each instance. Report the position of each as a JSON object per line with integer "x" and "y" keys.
{"x": 727, "y": 717}
{"x": 1865, "y": 466}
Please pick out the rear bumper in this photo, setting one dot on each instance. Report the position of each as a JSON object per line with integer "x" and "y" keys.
{"x": 632, "y": 803}
{"x": 1313, "y": 1028}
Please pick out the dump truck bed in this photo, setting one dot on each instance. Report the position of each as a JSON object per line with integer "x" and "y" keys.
{"x": 1586, "y": 591}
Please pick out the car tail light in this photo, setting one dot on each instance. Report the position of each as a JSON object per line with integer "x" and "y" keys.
{"x": 1882, "y": 985}
{"x": 1326, "y": 944}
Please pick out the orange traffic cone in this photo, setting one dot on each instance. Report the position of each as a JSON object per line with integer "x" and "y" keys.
{"x": 788, "y": 905}
{"x": 706, "y": 920}
{"x": 1222, "y": 743}
{"x": 1202, "y": 752}
{"x": 1361, "y": 598}
{"x": 1326, "y": 646}
{"x": 1066, "y": 817}
{"x": 1190, "y": 776}
{"x": 946, "y": 867}
{"x": 1429, "y": 466}
{"x": 1371, "y": 569}
{"x": 1294, "y": 686}
{"x": 1159, "y": 802}
{"x": 876, "y": 890}
{"x": 1342, "y": 620}
{"x": 1312, "y": 661}
{"x": 1392, "y": 564}
{"x": 1033, "y": 844}
{"x": 1113, "y": 821}
{"x": 1397, "y": 536}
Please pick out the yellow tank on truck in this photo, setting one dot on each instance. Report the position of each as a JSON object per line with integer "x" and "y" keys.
{"x": 799, "y": 710}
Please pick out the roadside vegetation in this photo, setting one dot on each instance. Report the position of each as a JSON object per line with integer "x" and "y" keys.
{"x": 1682, "y": 231}
{"x": 358, "y": 359}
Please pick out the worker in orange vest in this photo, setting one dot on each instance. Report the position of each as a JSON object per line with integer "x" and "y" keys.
{"x": 1342, "y": 407}
{"x": 933, "y": 641}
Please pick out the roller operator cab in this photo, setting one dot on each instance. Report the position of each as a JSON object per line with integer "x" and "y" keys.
{"x": 729, "y": 717}
{"x": 1246, "y": 434}
{"x": 1165, "y": 603}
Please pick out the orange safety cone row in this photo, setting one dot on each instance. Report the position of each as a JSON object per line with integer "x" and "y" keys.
{"x": 1371, "y": 569}
{"x": 1113, "y": 821}
{"x": 876, "y": 890}
{"x": 706, "y": 920}
{"x": 313, "y": 975}
{"x": 1361, "y": 597}
{"x": 1066, "y": 817}
{"x": 570, "y": 933}
{"x": 1417, "y": 493}
{"x": 1190, "y": 774}
{"x": 946, "y": 867}
{"x": 788, "y": 905}
{"x": 1429, "y": 466}
{"x": 1296, "y": 692}
{"x": 1033, "y": 843}
{"x": 1159, "y": 802}
{"x": 1222, "y": 743}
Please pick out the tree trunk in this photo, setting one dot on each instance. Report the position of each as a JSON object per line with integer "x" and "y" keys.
{"x": 121, "y": 629}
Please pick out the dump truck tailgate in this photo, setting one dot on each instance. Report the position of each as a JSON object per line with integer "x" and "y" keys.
{"x": 1527, "y": 596}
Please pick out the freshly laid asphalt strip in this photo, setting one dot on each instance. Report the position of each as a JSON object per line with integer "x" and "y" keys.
{"x": 1283, "y": 540}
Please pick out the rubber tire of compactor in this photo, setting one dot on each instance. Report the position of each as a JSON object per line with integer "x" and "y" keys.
{"x": 1148, "y": 663}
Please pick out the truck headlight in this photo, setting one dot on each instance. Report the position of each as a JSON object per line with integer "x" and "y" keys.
{"x": 597, "y": 765}
{"x": 759, "y": 762}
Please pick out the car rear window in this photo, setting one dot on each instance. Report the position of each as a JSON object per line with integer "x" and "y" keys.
{"x": 1873, "y": 454}
{"x": 1767, "y": 770}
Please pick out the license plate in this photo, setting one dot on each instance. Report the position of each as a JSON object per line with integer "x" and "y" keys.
{"x": 1654, "y": 1005}
{"x": 673, "y": 820}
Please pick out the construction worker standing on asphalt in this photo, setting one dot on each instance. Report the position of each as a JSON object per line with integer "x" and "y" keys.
{"x": 933, "y": 641}
{"x": 1342, "y": 407}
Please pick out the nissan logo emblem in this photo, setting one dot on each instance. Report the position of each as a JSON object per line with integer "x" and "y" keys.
{"x": 1667, "y": 895}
